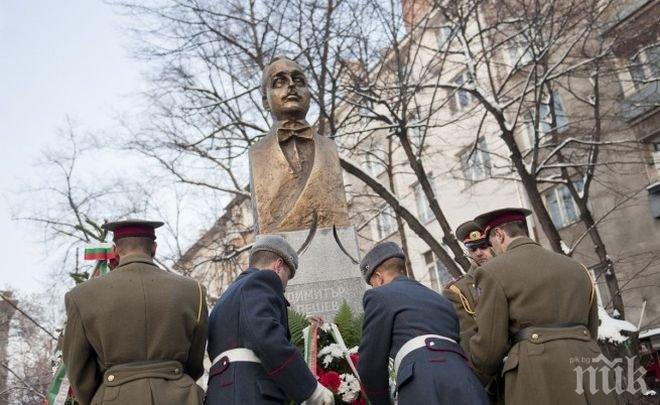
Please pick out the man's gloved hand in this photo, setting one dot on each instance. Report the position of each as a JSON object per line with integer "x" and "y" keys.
{"x": 320, "y": 396}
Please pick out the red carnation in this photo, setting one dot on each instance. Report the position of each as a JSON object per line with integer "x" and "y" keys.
{"x": 359, "y": 401}
{"x": 355, "y": 358}
{"x": 330, "y": 380}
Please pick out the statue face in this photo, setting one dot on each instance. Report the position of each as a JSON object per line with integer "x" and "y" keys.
{"x": 287, "y": 95}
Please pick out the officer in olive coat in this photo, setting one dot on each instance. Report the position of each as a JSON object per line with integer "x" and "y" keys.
{"x": 537, "y": 313}
{"x": 136, "y": 335}
{"x": 461, "y": 292}
{"x": 463, "y": 295}
{"x": 416, "y": 327}
{"x": 254, "y": 361}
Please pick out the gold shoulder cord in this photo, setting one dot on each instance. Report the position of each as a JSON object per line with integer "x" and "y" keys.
{"x": 463, "y": 298}
{"x": 593, "y": 284}
{"x": 199, "y": 307}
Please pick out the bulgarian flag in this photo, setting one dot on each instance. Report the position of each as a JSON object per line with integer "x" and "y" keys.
{"x": 60, "y": 390}
{"x": 99, "y": 251}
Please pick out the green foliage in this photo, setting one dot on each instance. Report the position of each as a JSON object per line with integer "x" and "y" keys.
{"x": 79, "y": 277}
{"x": 297, "y": 322}
{"x": 349, "y": 324}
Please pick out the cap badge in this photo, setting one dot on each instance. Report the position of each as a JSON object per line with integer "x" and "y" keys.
{"x": 475, "y": 235}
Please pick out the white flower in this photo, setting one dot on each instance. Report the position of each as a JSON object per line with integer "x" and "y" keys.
{"x": 349, "y": 388}
{"x": 353, "y": 350}
{"x": 326, "y": 327}
{"x": 331, "y": 352}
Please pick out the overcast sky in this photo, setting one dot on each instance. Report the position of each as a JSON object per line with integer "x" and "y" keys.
{"x": 57, "y": 58}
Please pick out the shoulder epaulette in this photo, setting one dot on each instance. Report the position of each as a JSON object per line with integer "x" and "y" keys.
{"x": 201, "y": 302}
{"x": 593, "y": 284}
{"x": 451, "y": 283}
{"x": 464, "y": 301}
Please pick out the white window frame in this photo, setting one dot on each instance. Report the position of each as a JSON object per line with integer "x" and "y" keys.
{"x": 479, "y": 166}
{"x": 656, "y": 155}
{"x": 545, "y": 120}
{"x": 561, "y": 219}
{"x": 385, "y": 222}
{"x": 519, "y": 53}
{"x": 437, "y": 271}
{"x": 445, "y": 33}
{"x": 462, "y": 99}
{"x": 374, "y": 158}
{"x": 424, "y": 212}
{"x": 414, "y": 128}
{"x": 644, "y": 66}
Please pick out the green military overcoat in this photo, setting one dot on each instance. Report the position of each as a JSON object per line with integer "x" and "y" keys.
{"x": 136, "y": 336}
{"x": 463, "y": 295}
{"x": 545, "y": 292}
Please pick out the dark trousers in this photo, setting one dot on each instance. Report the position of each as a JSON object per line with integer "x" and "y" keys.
{"x": 440, "y": 376}
{"x": 242, "y": 383}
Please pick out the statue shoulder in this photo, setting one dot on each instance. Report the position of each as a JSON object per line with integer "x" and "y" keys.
{"x": 266, "y": 142}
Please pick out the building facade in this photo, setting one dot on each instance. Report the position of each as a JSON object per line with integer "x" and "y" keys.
{"x": 468, "y": 162}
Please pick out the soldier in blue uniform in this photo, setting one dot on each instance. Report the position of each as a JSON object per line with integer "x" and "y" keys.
{"x": 418, "y": 328}
{"x": 254, "y": 361}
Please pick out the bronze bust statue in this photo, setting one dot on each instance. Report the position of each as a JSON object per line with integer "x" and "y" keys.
{"x": 295, "y": 176}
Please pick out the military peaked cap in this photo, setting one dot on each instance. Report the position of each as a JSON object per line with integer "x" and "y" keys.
{"x": 495, "y": 218}
{"x": 132, "y": 228}
{"x": 377, "y": 256}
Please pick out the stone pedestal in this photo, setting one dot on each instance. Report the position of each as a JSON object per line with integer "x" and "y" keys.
{"x": 326, "y": 276}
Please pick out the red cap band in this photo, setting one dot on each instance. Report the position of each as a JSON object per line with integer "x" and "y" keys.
{"x": 503, "y": 219}
{"x": 133, "y": 231}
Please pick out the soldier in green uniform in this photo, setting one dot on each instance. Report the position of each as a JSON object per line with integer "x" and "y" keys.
{"x": 136, "y": 335}
{"x": 463, "y": 294}
{"x": 537, "y": 314}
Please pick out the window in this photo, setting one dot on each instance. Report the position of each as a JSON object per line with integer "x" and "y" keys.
{"x": 520, "y": 53}
{"x": 438, "y": 274}
{"x": 462, "y": 98}
{"x": 444, "y": 35}
{"x": 375, "y": 158}
{"x": 545, "y": 118}
{"x": 656, "y": 155}
{"x": 645, "y": 66}
{"x": 423, "y": 207}
{"x": 476, "y": 166}
{"x": 415, "y": 129}
{"x": 385, "y": 222}
{"x": 365, "y": 115}
{"x": 561, "y": 206}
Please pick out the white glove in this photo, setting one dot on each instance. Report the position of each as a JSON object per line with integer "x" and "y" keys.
{"x": 320, "y": 396}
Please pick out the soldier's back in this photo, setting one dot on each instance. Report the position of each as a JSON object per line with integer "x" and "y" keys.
{"x": 139, "y": 312}
{"x": 542, "y": 287}
{"x": 137, "y": 335}
{"x": 552, "y": 322}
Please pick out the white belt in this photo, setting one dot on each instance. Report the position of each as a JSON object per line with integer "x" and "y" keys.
{"x": 236, "y": 355}
{"x": 414, "y": 344}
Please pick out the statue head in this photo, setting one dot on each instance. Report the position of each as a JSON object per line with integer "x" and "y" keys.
{"x": 284, "y": 90}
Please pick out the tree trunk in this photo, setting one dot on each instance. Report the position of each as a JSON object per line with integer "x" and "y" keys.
{"x": 448, "y": 238}
{"x": 414, "y": 224}
{"x": 399, "y": 221}
{"x": 531, "y": 188}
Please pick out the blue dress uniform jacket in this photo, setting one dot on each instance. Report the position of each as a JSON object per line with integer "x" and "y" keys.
{"x": 397, "y": 312}
{"x": 252, "y": 314}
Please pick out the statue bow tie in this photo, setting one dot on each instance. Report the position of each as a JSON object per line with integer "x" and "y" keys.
{"x": 294, "y": 128}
